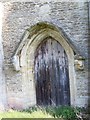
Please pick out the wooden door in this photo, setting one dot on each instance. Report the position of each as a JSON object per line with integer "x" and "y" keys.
{"x": 51, "y": 74}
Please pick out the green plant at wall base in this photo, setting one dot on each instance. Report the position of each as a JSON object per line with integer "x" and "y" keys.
{"x": 62, "y": 112}
{"x": 32, "y": 109}
{"x": 66, "y": 112}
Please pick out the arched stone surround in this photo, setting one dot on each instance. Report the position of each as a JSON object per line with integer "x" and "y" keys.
{"x": 23, "y": 59}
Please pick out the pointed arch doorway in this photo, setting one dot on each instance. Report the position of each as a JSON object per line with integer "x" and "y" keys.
{"x": 51, "y": 74}
{"x": 25, "y": 59}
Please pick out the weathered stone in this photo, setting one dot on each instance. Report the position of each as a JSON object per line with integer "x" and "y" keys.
{"x": 71, "y": 17}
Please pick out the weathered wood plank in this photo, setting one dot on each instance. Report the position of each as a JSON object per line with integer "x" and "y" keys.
{"x": 51, "y": 74}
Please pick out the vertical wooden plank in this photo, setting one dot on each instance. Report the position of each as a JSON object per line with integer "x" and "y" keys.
{"x": 67, "y": 88}
{"x": 59, "y": 64}
{"x": 58, "y": 75}
{"x": 44, "y": 72}
{"x": 47, "y": 75}
{"x": 51, "y": 69}
{"x": 41, "y": 76}
{"x": 39, "y": 79}
{"x": 55, "y": 79}
{"x": 37, "y": 76}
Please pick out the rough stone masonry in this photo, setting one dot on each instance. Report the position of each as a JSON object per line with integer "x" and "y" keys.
{"x": 15, "y": 18}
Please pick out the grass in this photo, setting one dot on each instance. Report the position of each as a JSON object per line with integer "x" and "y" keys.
{"x": 63, "y": 112}
{"x": 18, "y": 114}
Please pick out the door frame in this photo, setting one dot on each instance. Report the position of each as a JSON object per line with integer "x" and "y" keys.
{"x": 25, "y": 57}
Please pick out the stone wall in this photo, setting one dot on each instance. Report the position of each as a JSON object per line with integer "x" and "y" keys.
{"x": 2, "y": 77}
{"x": 72, "y": 17}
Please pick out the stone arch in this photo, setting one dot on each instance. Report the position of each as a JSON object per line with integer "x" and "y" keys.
{"x": 23, "y": 58}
